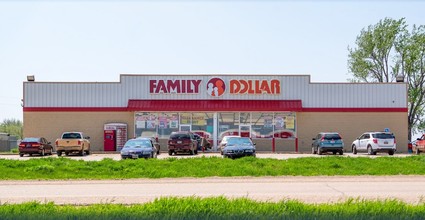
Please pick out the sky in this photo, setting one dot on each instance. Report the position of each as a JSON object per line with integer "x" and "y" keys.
{"x": 96, "y": 41}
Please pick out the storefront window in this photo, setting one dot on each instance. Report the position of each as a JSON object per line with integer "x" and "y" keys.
{"x": 146, "y": 124}
{"x": 254, "y": 125}
{"x": 202, "y": 124}
{"x": 167, "y": 123}
{"x": 228, "y": 124}
{"x": 185, "y": 122}
{"x": 262, "y": 125}
{"x": 284, "y": 125}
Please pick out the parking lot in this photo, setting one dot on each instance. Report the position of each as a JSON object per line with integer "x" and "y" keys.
{"x": 116, "y": 156}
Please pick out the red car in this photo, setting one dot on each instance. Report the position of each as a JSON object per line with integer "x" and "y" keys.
{"x": 182, "y": 141}
{"x": 35, "y": 145}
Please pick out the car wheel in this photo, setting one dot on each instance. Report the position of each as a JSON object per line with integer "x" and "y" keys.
{"x": 319, "y": 151}
{"x": 418, "y": 151}
{"x": 59, "y": 153}
{"x": 334, "y": 152}
{"x": 87, "y": 152}
{"x": 341, "y": 152}
{"x": 170, "y": 152}
{"x": 66, "y": 153}
{"x": 30, "y": 155}
{"x": 21, "y": 155}
{"x": 43, "y": 152}
{"x": 354, "y": 149}
{"x": 391, "y": 152}
{"x": 312, "y": 150}
{"x": 369, "y": 150}
{"x": 196, "y": 151}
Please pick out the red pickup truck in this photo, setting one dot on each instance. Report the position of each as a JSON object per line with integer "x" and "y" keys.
{"x": 420, "y": 145}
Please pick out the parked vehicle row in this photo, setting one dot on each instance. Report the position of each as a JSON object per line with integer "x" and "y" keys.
{"x": 232, "y": 146}
{"x": 370, "y": 142}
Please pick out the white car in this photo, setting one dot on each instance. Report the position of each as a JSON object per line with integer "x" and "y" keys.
{"x": 372, "y": 142}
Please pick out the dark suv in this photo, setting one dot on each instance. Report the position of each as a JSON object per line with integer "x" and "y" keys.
{"x": 182, "y": 142}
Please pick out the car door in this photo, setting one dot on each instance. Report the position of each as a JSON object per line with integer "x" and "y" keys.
{"x": 363, "y": 141}
{"x": 43, "y": 143}
{"x": 316, "y": 141}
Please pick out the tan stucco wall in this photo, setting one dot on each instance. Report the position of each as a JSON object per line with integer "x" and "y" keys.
{"x": 51, "y": 124}
{"x": 349, "y": 125}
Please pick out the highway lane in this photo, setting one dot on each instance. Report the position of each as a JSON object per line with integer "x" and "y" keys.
{"x": 307, "y": 189}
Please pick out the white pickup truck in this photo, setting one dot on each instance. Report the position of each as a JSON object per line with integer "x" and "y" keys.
{"x": 73, "y": 142}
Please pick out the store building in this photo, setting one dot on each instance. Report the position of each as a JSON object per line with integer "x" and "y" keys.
{"x": 281, "y": 113}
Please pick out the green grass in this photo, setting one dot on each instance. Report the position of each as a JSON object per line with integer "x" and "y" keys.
{"x": 218, "y": 208}
{"x": 65, "y": 168}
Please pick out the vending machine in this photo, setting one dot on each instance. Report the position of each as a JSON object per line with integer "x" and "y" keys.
{"x": 114, "y": 136}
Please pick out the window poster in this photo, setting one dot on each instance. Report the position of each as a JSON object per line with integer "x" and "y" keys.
{"x": 290, "y": 122}
{"x": 140, "y": 124}
{"x": 268, "y": 122}
{"x": 150, "y": 124}
{"x": 280, "y": 123}
{"x": 174, "y": 121}
{"x": 174, "y": 124}
{"x": 198, "y": 120}
{"x": 162, "y": 122}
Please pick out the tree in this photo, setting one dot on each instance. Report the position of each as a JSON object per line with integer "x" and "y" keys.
{"x": 12, "y": 127}
{"x": 386, "y": 50}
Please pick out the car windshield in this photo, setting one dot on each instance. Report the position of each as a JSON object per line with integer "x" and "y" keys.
{"x": 30, "y": 140}
{"x": 239, "y": 141}
{"x": 71, "y": 136}
{"x": 138, "y": 144}
{"x": 332, "y": 137}
{"x": 180, "y": 136}
{"x": 383, "y": 136}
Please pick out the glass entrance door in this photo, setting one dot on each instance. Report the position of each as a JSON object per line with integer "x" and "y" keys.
{"x": 245, "y": 130}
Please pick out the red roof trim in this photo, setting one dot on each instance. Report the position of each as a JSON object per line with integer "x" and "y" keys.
{"x": 75, "y": 109}
{"x": 354, "y": 110}
{"x": 214, "y": 105}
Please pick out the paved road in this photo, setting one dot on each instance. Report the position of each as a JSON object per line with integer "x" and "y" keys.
{"x": 307, "y": 189}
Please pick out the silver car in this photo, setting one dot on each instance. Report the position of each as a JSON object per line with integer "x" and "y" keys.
{"x": 139, "y": 148}
{"x": 373, "y": 142}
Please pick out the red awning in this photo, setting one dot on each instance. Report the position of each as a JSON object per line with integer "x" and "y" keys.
{"x": 215, "y": 105}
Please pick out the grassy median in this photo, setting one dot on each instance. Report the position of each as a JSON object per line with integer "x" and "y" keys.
{"x": 65, "y": 168}
{"x": 218, "y": 208}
